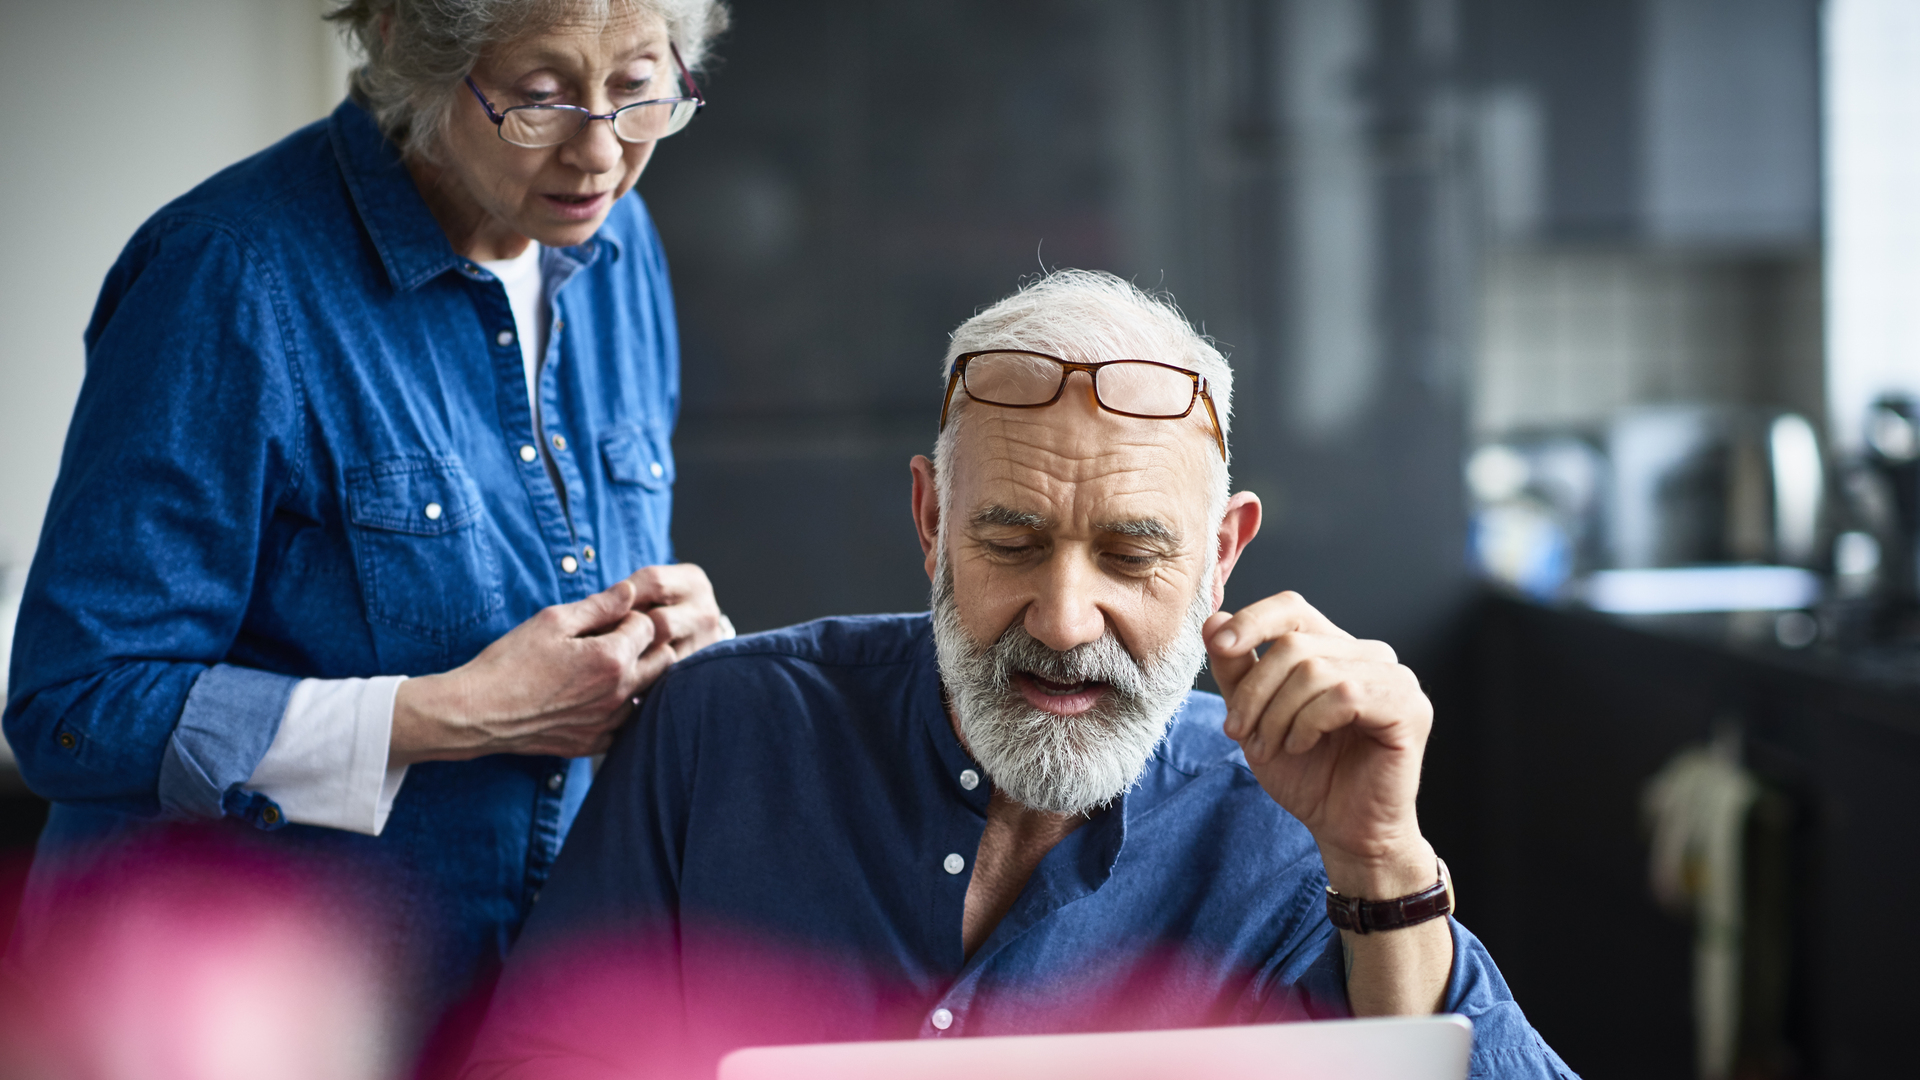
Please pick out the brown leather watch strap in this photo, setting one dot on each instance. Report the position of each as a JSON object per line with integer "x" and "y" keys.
{"x": 1367, "y": 916}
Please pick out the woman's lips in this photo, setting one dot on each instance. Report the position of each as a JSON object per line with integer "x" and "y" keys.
{"x": 1060, "y": 699}
{"x": 576, "y": 207}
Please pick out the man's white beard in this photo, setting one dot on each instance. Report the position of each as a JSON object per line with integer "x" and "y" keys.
{"x": 1064, "y": 764}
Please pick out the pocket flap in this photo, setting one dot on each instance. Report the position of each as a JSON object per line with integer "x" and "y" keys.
{"x": 634, "y": 457}
{"x": 424, "y": 496}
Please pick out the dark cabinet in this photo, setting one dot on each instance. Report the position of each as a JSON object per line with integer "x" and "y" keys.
{"x": 1539, "y": 762}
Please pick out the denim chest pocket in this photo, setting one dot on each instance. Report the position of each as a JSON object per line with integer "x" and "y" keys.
{"x": 640, "y": 475}
{"x": 425, "y": 565}
{"x": 633, "y": 456}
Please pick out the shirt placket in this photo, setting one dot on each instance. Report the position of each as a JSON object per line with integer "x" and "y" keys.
{"x": 576, "y": 579}
{"x": 523, "y": 442}
{"x": 580, "y": 562}
{"x": 1075, "y": 869}
{"x": 955, "y": 842}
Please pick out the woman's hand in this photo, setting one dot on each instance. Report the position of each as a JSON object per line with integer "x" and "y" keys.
{"x": 680, "y": 601}
{"x": 560, "y": 683}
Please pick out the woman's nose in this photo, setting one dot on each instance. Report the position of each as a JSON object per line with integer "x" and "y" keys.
{"x": 596, "y": 149}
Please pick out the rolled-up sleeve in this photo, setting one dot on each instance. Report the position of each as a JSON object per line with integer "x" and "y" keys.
{"x": 180, "y": 450}
{"x": 1504, "y": 1043}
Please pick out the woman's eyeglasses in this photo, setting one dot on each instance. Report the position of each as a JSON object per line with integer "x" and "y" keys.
{"x": 1016, "y": 379}
{"x": 538, "y": 126}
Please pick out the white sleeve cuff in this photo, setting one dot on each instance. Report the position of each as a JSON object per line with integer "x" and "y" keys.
{"x": 328, "y": 763}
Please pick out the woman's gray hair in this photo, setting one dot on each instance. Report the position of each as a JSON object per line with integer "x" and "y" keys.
{"x": 1094, "y": 315}
{"x": 418, "y": 51}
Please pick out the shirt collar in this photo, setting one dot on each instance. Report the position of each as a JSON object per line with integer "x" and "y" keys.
{"x": 412, "y": 247}
{"x": 1095, "y": 846}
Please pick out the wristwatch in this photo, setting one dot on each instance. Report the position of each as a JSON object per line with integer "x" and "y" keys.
{"x": 1367, "y": 916}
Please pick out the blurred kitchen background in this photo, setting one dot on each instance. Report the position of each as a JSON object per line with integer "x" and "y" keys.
{"x": 1577, "y": 346}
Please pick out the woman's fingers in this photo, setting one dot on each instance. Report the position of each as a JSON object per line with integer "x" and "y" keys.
{"x": 690, "y": 624}
{"x": 656, "y": 586}
{"x": 597, "y": 612}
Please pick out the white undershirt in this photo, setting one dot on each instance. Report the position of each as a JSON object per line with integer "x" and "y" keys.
{"x": 328, "y": 763}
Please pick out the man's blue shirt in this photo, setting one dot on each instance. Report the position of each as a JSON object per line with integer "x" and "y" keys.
{"x": 797, "y": 802}
{"x": 286, "y": 367}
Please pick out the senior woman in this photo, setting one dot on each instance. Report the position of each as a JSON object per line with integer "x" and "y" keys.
{"x": 391, "y": 398}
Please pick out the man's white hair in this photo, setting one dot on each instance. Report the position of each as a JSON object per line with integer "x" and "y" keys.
{"x": 1091, "y": 315}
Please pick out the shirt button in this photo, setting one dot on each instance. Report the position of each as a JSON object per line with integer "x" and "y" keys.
{"x": 528, "y": 453}
{"x": 587, "y": 551}
{"x": 559, "y": 442}
{"x": 969, "y": 779}
{"x": 657, "y": 470}
{"x": 504, "y": 337}
{"x": 556, "y": 781}
{"x": 954, "y": 864}
{"x": 433, "y": 511}
{"x": 67, "y": 741}
{"x": 942, "y": 1019}
{"x": 569, "y": 563}
{"x": 271, "y": 815}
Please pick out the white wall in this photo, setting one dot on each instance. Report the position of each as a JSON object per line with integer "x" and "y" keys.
{"x": 112, "y": 108}
{"x": 1873, "y": 207}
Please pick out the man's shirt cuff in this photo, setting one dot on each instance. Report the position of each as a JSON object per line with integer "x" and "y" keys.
{"x": 328, "y": 764}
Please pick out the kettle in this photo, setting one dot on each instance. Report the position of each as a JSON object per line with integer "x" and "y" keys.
{"x": 1703, "y": 484}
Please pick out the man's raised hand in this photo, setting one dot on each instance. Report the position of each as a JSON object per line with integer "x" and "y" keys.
{"x": 1334, "y": 728}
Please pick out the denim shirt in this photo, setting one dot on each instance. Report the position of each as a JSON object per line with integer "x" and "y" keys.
{"x": 779, "y": 850}
{"x": 303, "y": 448}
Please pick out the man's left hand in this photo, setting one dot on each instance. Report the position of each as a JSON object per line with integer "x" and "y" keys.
{"x": 1334, "y": 728}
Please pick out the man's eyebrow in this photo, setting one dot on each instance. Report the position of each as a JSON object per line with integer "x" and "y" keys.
{"x": 1010, "y": 518}
{"x": 1141, "y": 529}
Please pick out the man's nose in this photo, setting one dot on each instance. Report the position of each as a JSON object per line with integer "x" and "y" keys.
{"x": 1064, "y": 612}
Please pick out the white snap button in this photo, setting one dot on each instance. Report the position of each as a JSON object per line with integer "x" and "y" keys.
{"x": 942, "y": 1019}
{"x": 504, "y": 337}
{"x": 433, "y": 511}
{"x": 556, "y": 781}
{"x": 969, "y": 779}
{"x": 569, "y": 563}
{"x": 528, "y": 453}
{"x": 657, "y": 470}
{"x": 954, "y": 863}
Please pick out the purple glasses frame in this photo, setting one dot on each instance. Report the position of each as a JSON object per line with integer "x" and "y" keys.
{"x": 499, "y": 117}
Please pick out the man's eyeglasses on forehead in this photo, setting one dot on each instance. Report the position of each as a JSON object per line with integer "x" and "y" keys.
{"x": 1017, "y": 379}
{"x": 537, "y": 126}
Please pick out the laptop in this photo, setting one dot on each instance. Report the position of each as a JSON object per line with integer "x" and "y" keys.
{"x": 1394, "y": 1048}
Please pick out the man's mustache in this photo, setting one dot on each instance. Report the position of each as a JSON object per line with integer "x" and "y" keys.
{"x": 1104, "y": 660}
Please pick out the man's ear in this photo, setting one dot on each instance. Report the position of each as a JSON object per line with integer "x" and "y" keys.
{"x": 1238, "y": 526}
{"x": 926, "y": 510}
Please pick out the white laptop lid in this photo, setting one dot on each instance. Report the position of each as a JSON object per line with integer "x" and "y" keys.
{"x": 1410, "y": 1048}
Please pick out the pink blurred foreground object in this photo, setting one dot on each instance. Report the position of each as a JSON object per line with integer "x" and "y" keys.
{"x": 670, "y": 1006}
{"x": 191, "y": 960}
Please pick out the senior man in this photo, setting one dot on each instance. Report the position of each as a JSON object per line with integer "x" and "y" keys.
{"x": 1015, "y": 815}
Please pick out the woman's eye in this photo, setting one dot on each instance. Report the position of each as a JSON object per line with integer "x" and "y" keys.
{"x": 540, "y": 97}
